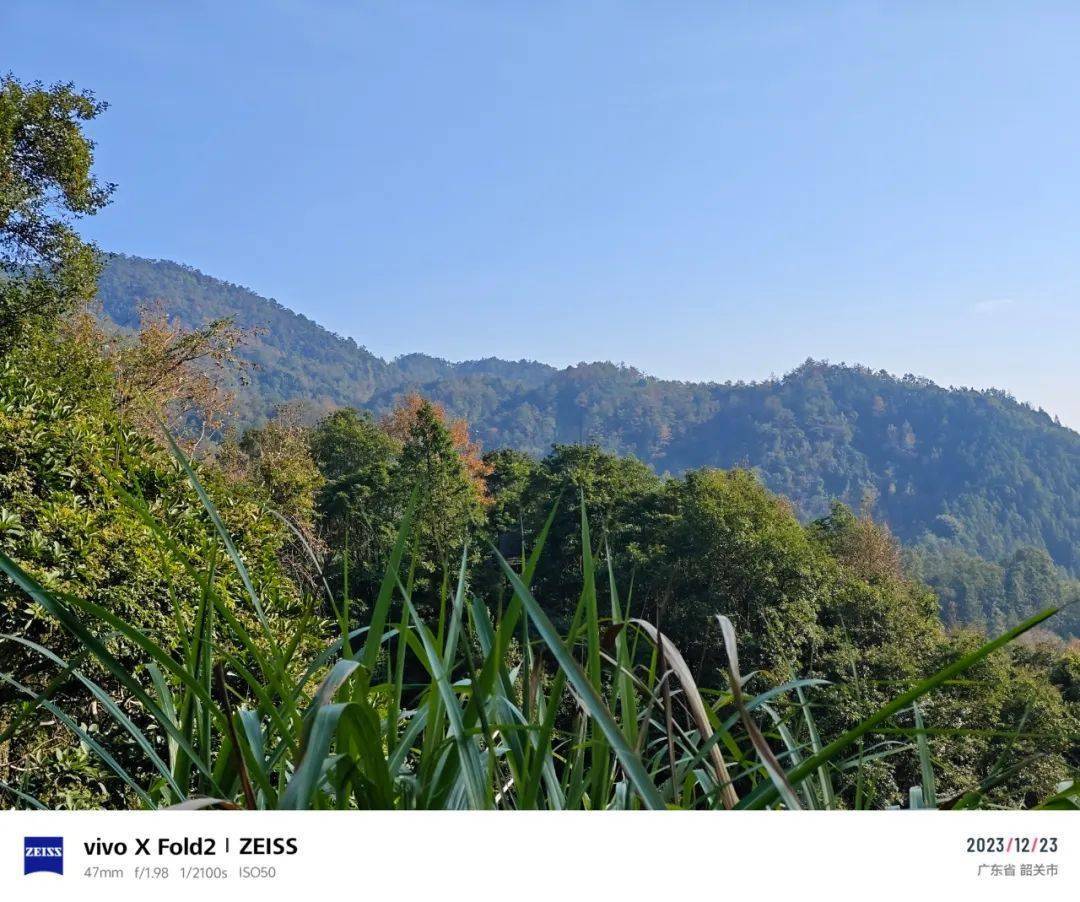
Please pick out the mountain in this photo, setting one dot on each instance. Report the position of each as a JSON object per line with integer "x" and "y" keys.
{"x": 292, "y": 357}
{"x": 974, "y": 470}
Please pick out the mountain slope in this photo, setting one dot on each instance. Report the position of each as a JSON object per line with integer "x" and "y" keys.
{"x": 975, "y": 469}
{"x": 293, "y": 357}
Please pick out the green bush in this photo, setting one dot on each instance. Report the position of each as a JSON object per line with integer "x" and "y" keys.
{"x": 67, "y": 460}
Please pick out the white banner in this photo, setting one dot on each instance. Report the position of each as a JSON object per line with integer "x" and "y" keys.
{"x": 876, "y": 856}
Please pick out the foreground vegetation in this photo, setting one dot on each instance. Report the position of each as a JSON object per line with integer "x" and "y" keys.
{"x": 344, "y": 611}
{"x": 487, "y": 726}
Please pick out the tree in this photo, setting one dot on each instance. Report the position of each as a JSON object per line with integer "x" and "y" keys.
{"x": 450, "y": 500}
{"x": 994, "y": 596}
{"x": 866, "y": 547}
{"x": 620, "y": 496}
{"x": 347, "y": 441}
{"x": 171, "y": 376}
{"x": 358, "y": 508}
{"x": 1013, "y": 706}
{"x": 1032, "y": 583}
{"x": 509, "y": 475}
{"x": 278, "y": 458}
{"x": 736, "y": 549}
{"x": 372, "y": 472}
{"x": 45, "y": 183}
{"x": 273, "y": 467}
{"x": 399, "y": 424}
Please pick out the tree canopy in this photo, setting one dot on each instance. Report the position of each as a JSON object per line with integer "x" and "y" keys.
{"x": 46, "y": 183}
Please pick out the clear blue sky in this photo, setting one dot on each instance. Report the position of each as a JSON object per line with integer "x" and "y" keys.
{"x": 704, "y": 190}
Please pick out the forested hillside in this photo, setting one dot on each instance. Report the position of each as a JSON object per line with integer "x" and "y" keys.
{"x": 975, "y": 468}
{"x": 292, "y": 357}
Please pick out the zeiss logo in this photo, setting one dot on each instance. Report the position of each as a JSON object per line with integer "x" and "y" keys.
{"x": 43, "y": 853}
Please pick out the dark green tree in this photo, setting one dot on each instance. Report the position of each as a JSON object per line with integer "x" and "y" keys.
{"x": 45, "y": 184}
{"x": 347, "y": 441}
{"x": 621, "y": 496}
{"x": 509, "y": 513}
{"x": 735, "y": 549}
{"x": 449, "y": 504}
{"x": 372, "y": 471}
{"x": 358, "y": 506}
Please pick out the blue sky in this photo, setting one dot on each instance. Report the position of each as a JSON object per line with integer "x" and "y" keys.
{"x": 702, "y": 190}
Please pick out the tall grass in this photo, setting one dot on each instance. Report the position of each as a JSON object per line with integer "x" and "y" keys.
{"x": 509, "y": 713}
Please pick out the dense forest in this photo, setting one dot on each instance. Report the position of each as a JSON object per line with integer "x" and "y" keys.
{"x": 975, "y": 469}
{"x": 374, "y": 601}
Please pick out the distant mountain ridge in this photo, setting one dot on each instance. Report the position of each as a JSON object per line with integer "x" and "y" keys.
{"x": 975, "y": 469}
{"x": 295, "y": 357}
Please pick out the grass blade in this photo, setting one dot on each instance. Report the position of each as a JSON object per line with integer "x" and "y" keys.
{"x": 631, "y": 764}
